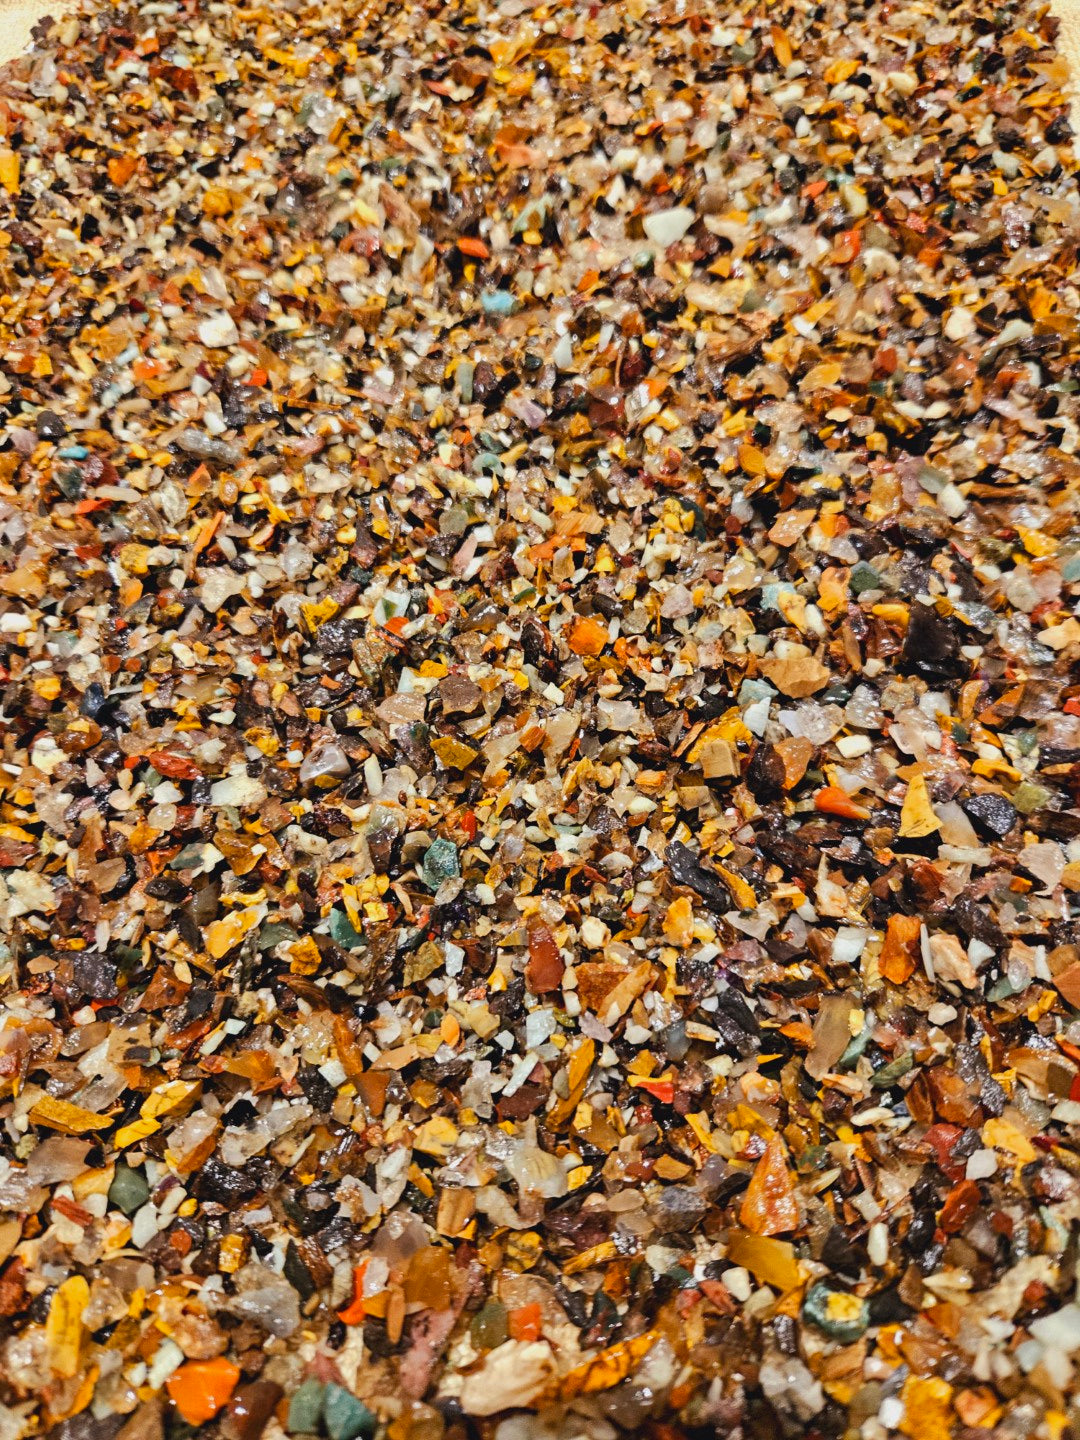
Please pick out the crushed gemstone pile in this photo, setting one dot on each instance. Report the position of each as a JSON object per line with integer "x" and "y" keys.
{"x": 540, "y": 795}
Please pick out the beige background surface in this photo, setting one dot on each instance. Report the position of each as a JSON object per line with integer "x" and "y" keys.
{"x": 1068, "y": 12}
{"x": 17, "y": 19}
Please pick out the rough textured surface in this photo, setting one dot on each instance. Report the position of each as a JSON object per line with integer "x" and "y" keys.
{"x": 539, "y": 828}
